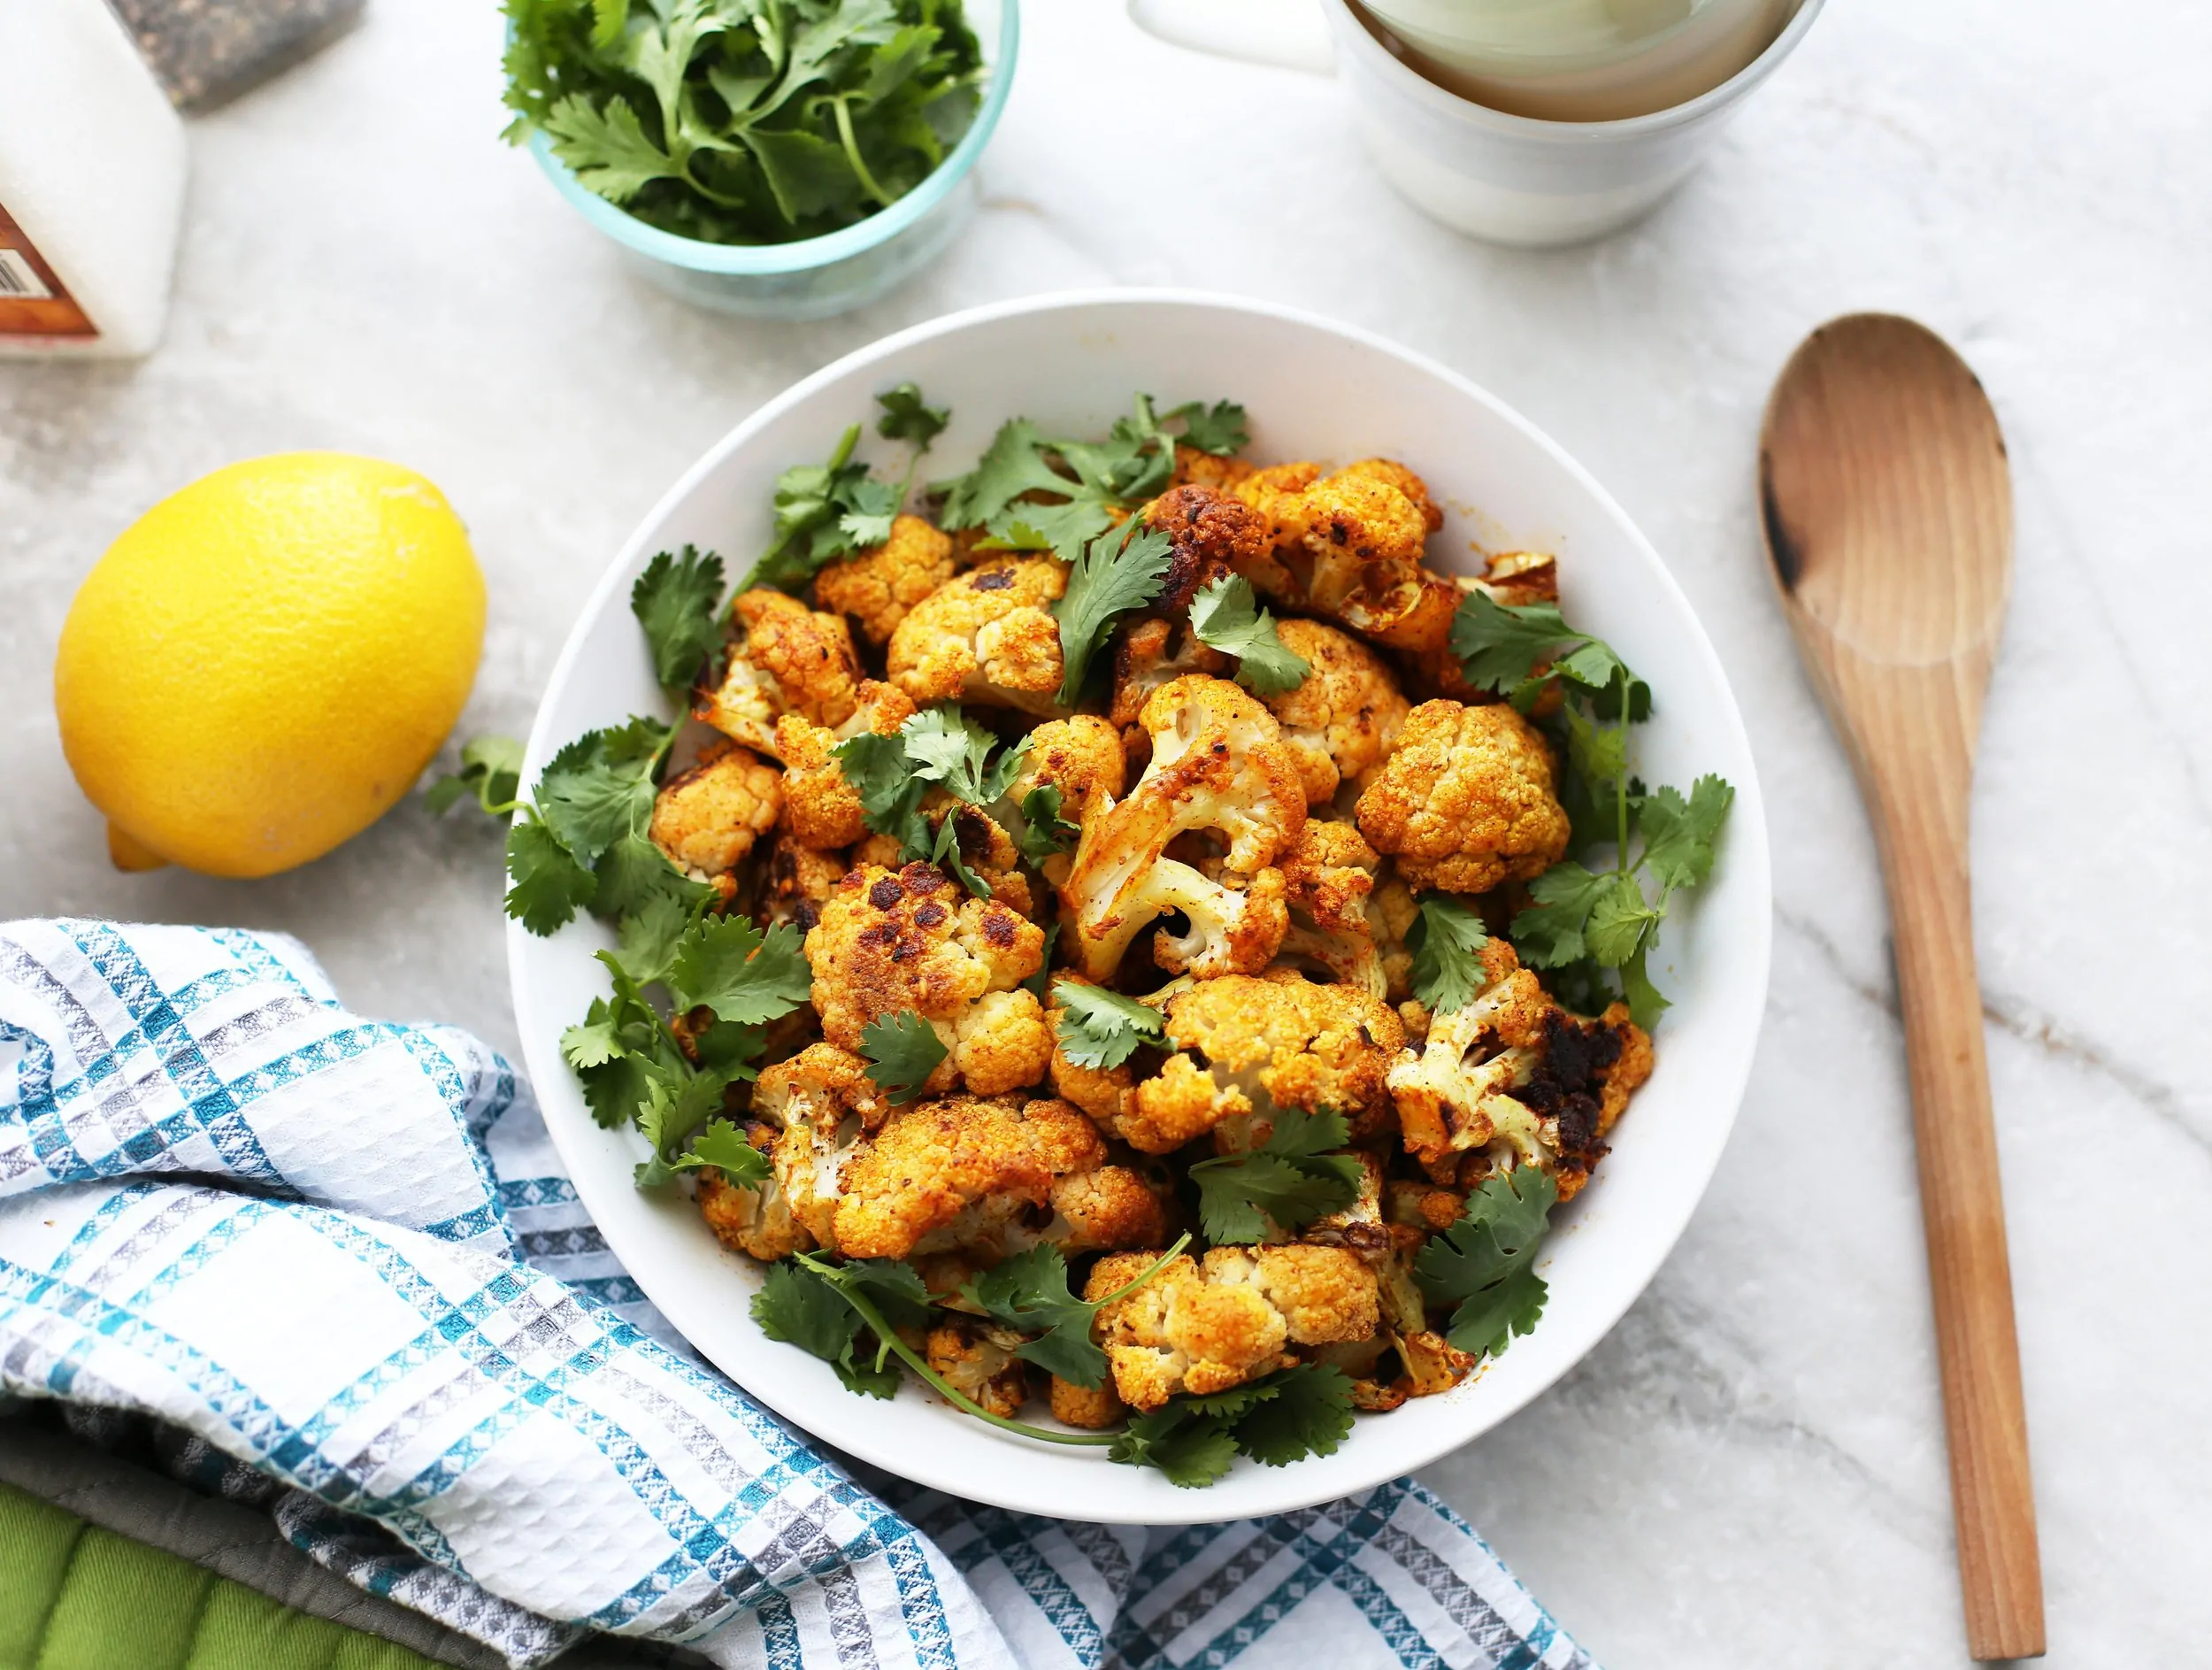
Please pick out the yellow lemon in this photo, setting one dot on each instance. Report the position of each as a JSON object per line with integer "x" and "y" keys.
{"x": 265, "y": 662}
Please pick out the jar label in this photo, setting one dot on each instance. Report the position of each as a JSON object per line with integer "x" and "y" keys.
{"x": 33, "y": 302}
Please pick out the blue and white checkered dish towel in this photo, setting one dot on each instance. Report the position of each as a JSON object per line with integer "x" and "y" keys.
{"x": 344, "y": 1254}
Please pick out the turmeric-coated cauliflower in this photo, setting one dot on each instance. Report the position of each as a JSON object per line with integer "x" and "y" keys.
{"x": 913, "y": 939}
{"x": 783, "y": 658}
{"x": 1204, "y": 1326}
{"x": 1248, "y": 1044}
{"x": 810, "y": 1111}
{"x": 1466, "y": 800}
{"x": 878, "y": 586}
{"x": 988, "y": 635}
{"x": 987, "y": 1175}
{"x": 1211, "y": 534}
{"x": 1218, "y": 768}
{"x": 1349, "y": 545}
{"x": 978, "y": 1359}
{"x": 1327, "y": 878}
{"x": 1208, "y": 469}
{"x": 1512, "y": 1079}
{"x": 821, "y": 808}
{"x": 1344, "y": 718}
{"x": 706, "y": 819}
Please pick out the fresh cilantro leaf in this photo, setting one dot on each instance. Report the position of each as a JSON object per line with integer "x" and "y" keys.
{"x": 1621, "y": 920}
{"x": 743, "y": 975}
{"x": 633, "y": 872}
{"x": 944, "y": 852}
{"x": 1192, "y": 1451}
{"x": 678, "y": 601}
{"x": 676, "y": 1103}
{"x": 1029, "y": 1293}
{"x": 1447, "y": 939}
{"x": 1485, "y": 1263}
{"x": 1015, "y": 534}
{"x": 890, "y": 793}
{"x": 1225, "y": 614}
{"x": 944, "y": 747}
{"x": 1679, "y": 835}
{"x": 902, "y": 1051}
{"x": 871, "y": 507}
{"x": 1038, "y": 982}
{"x": 491, "y": 770}
{"x": 1120, "y": 570}
{"x": 889, "y": 1285}
{"x": 1218, "y": 430}
{"x": 549, "y": 887}
{"x": 801, "y": 1307}
{"x": 606, "y": 147}
{"x": 1548, "y": 933}
{"x": 650, "y": 933}
{"x": 1045, "y": 833}
{"x": 1291, "y": 1179}
{"x": 600, "y": 787}
{"x": 593, "y": 1043}
{"x": 1013, "y": 465}
{"x": 1102, "y": 1028}
{"x": 1501, "y": 645}
{"x": 723, "y": 1146}
{"x": 907, "y": 417}
{"x": 824, "y": 511}
{"x": 1310, "y": 1414}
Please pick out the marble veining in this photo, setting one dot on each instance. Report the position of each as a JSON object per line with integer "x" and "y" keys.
{"x": 1750, "y": 1471}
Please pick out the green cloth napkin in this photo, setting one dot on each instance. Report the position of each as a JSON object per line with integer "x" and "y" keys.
{"x": 74, "y": 1596}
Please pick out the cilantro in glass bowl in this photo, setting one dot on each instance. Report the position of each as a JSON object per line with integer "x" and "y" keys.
{"x": 778, "y": 159}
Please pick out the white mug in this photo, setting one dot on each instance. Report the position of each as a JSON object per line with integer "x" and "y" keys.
{"x": 1505, "y": 177}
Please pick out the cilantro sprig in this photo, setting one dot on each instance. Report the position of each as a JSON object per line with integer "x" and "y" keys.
{"x": 1100, "y": 1028}
{"x": 1290, "y": 1180}
{"x": 678, "y": 601}
{"x": 835, "y": 508}
{"x": 1120, "y": 570}
{"x": 1225, "y": 615}
{"x": 491, "y": 771}
{"x": 1593, "y": 928}
{"x": 744, "y": 124}
{"x": 1485, "y": 1263}
{"x": 938, "y": 748}
{"x": 1447, "y": 939}
{"x": 1305, "y": 1409}
{"x": 1030, "y": 1293}
{"x": 902, "y": 1050}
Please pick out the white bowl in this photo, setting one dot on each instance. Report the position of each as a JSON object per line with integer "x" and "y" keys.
{"x": 1313, "y": 390}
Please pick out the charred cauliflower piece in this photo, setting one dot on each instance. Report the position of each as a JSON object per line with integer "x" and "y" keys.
{"x": 913, "y": 939}
{"x": 1466, "y": 800}
{"x": 1218, "y": 767}
{"x": 879, "y": 586}
{"x": 811, "y": 1110}
{"x": 1349, "y": 545}
{"x": 1211, "y": 534}
{"x": 979, "y": 1360}
{"x": 1203, "y": 1328}
{"x": 1326, "y": 879}
{"x": 988, "y": 635}
{"x": 706, "y": 819}
{"x": 1344, "y": 719}
{"x": 821, "y": 808}
{"x": 796, "y": 882}
{"x": 988, "y": 1175}
{"x": 1246, "y": 1045}
{"x": 783, "y": 658}
{"x": 1514, "y": 1080}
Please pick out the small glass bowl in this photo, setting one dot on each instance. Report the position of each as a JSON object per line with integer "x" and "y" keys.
{"x": 814, "y": 277}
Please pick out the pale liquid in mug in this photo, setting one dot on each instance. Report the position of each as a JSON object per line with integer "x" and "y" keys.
{"x": 1577, "y": 60}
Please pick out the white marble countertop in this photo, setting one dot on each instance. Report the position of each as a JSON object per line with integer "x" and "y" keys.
{"x": 1750, "y": 1471}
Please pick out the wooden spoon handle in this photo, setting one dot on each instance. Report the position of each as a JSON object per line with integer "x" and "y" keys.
{"x": 1919, "y": 795}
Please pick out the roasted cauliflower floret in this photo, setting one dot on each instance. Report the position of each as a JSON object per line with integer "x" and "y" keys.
{"x": 988, "y": 635}
{"x": 979, "y": 1360}
{"x": 1093, "y": 1408}
{"x": 1327, "y": 878}
{"x": 1080, "y": 756}
{"x": 1211, "y": 534}
{"x": 1246, "y": 1045}
{"x": 1512, "y": 1079}
{"x": 819, "y": 1103}
{"x": 1349, "y": 545}
{"x": 1147, "y": 655}
{"x": 1218, "y": 767}
{"x": 991, "y": 1175}
{"x": 1202, "y": 1327}
{"x": 913, "y": 939}
{"x": 880, "y": 585}
{"x": 1194, "y": 465}
{"x": 795, "y": 883}
{"x": 706, "y": 819}
{"x": 1466, "y": 800}
{"x": 1345, "y": 718}
{"x": 757, "y": 1221}
{"x": 821, "y": 808}
{"x": 783, "y": 658}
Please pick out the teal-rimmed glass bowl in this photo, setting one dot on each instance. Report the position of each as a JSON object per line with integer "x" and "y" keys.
{"x": 814, "y": 277}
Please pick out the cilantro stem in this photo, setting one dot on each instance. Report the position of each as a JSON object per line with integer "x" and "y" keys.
{"x": 852, "y": 151}
{"x": 913, "y": 1360}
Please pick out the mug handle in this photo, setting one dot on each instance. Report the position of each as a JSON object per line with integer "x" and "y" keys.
{"x": 1290, "y": 33}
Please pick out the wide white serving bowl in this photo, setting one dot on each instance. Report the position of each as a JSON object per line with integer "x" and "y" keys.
{"x": 1314, "y": 391}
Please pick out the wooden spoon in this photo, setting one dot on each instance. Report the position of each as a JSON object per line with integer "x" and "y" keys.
{"x": 1888, "y": 514}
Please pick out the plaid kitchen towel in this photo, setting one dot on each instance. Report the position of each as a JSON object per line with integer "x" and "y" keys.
{"x": 339, "y": 1260}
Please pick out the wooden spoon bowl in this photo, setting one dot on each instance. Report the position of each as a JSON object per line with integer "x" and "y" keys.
{"x": 1887, "y": 510}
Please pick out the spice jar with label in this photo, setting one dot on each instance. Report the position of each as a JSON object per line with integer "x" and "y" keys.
{"x": 92, "y": 173}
